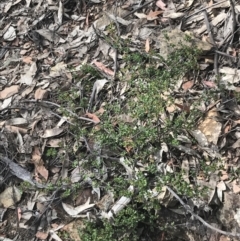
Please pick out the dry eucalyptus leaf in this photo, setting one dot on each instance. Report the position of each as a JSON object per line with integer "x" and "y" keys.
{"x": 210, "y": 127}
{"x": 187, "y": 85}
{"x": 74, "y": 211}
{"x": 10, "y": 196}
{"x": 17, "y": 121}
{"x": 58, "y": 69}
{"x": 10, "y": 34}
{"x": 28, "y": 77}
{"x": 60, "y": 13}
{"x": 9, "y": 91}
{"x": 200, "y": 138}
{"x": 49, "y": 35}
{"x": 52, "y": 132}
{"x": 40, "y": 94}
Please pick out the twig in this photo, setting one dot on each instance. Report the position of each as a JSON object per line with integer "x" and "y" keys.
{"x": 140, "y": 7}
{"x": 209, "y": 29}
{"x": 56, "y": 105}
{"x": 115, "y": 64}
{"x": 216, "y": 55}
{"x": 225, "y": 54}
{"x": 189, "y": 210}
{"x": 205, "y": 8}
{"x": 212, "y": 42}
{"x": 60, "y": 117}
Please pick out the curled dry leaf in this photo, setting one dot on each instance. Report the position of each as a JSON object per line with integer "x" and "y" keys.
{"x": 74, "y": 211}
{"x": 52, "y": 132}
{"x": 10, "y": 196}
{"x": 93, "y": 117}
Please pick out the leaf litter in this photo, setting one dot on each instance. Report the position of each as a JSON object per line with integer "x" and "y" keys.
{"x": 45, "y": 42}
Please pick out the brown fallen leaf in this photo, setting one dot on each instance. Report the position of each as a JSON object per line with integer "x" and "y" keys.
{"x": 209, "y": 84}
{"x": 93, "y": 117}
{"x": 40, "y": 94}
{"x": 153, "y": 15}
{"x": 183, "y": 107}
{"x": 161, "y": 4}
{"x": 38, "y": 162}
{"x": 41, "y": 235}
{"x": 236, "y": 187}
{"x": 19, "y": 213}
{"x": 102, "y": 67}
{"x": 9, "y": 91}
{"x": 27, "y": 59}
{"x": 187, "y": 85}
{"x": 210, "y": 127}
{"x": 73, "y": 229}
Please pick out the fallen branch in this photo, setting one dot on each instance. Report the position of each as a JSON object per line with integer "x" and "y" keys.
{"x": 189, "y": 210}
{"x": 56, "y": 105}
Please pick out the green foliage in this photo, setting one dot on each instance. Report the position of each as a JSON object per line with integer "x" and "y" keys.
{"x": 51, "y": 152}
{"x": 124, "y": 227}
{"x": 147, "y": 97}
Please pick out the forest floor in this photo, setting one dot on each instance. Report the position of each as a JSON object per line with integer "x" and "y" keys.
{"x": 119, "y": 120}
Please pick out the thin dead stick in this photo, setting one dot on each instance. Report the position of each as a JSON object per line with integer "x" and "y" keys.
{"x": 209, "y": 29}
{"x": 205, "y": 9}
{"x": 189, "y": 210}
{"x": 225, "y": 54}
{"x": 140, "y": 7}
{"x": 234, "y": 20}
{"x": 56, "y": 105}
{"x": 212, "y": 42}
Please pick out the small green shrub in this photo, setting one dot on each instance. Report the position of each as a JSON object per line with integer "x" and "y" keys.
{"x": 149, "y": 93}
